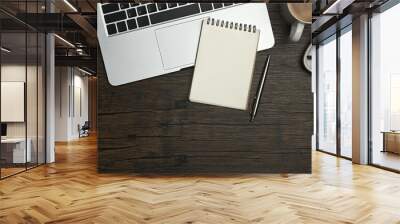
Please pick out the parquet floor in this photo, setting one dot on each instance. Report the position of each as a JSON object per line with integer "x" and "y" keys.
{"x": 71, "y": 191}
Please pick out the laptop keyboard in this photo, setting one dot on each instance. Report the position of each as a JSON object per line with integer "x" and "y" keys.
{"x": 125, "y": 17}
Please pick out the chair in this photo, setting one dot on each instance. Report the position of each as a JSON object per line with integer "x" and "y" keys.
{"x": 84, "y": 130}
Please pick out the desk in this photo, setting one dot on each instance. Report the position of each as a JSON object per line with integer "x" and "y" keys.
{"x": 14, "y": 150}
{"x": 150, "y": 125}
{"x": 391, "y": 141}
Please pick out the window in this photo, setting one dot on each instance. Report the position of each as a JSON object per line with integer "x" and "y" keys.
{"x": 395, "y": 102}
{"x": 346, "y": 93}
{"x": 327, "y": 96}
{"x": 334, "y": 106}
{"x": 385, "y": 89}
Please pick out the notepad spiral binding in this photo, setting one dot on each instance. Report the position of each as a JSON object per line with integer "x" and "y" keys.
{"x": 231, "y": 25}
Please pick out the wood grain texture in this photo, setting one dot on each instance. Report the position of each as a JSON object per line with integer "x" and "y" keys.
{"x": 72, "y": 191}
{"x": 150, "y": 126}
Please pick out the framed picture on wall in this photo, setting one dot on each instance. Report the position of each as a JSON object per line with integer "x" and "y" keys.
{"x": 12, "y": 101}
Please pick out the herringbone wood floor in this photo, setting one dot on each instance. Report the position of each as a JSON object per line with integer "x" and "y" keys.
{"x": 71, "y": 191}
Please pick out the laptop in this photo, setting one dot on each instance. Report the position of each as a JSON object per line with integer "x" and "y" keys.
{"x": 140, "y": 41}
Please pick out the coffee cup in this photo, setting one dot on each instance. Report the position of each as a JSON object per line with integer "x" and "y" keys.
{"x": 297, "y": 14}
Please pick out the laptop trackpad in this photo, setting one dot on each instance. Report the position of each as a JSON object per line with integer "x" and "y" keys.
{"x": 178, "y": 44}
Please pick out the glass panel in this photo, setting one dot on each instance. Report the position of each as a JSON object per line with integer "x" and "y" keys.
{"x": 13, "y": 89}
{"x": 385, "y": 87}
{"x": 346, "y": 94}
{"x": 41, "y": 98}
{"x": 31, "y": 100}
{"x": 327, "y": 97}
{"x": 32, "y": 89}
{"x": 23, "y": 90}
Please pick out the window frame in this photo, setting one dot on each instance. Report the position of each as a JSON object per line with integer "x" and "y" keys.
{"x": 334, "y": 37}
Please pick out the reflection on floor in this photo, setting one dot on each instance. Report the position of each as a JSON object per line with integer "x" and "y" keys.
{"x": 387, "y": 159}
{"x": 9, "y": 170}
{"x": 71, "y": 191}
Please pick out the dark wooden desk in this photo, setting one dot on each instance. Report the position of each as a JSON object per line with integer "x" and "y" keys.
{"x": 150, "y": 126}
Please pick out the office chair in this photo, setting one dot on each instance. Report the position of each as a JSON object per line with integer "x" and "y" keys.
{"x": 84, "y": 130}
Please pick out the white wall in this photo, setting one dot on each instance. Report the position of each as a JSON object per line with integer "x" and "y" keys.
{"x": 69, "y": 112}
{"x": 17, "y": 73}
{"x": 62, "y": 81}
{"x": 14, "y": 73}
{"x": 81, "y": 84}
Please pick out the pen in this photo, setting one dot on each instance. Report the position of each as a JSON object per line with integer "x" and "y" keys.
{"x": 260, "y": 88}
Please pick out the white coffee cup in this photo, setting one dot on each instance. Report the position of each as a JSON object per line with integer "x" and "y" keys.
{"x": 297, "y": 14}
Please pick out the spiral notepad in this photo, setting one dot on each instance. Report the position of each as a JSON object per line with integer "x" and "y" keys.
{"x": 224, "y": 64}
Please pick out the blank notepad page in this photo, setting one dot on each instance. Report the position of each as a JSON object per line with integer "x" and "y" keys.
{"x": 224, "y": 64}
